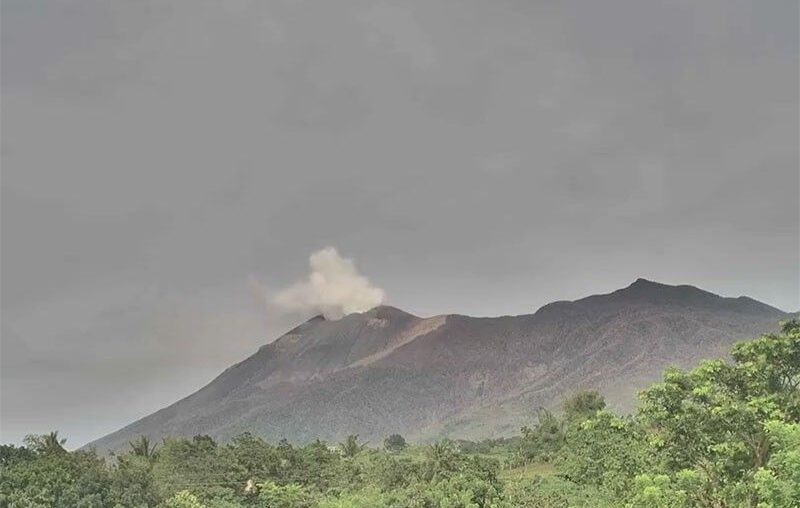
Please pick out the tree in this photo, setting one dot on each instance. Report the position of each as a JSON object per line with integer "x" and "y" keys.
{"x": 606, "y": 451}
{"x": 394, "y": 443}
{"x": 142, "y": 448}
{"x": 462, "y": 491}
{"x": 770, "y": 367}
{"x": 318, "y": 467}
{"x": 390, "y": 471}
{"x": 183, "y": 499}
{"x": 57, "y": 480}
{"x": 583, "y": 405}
{"x": 46, "y": 443}
{"x": 350, "y": 447}
{"x": 368, "y": 497}
{"x": 441, "y": 459}
{"x": 662, "y": 491}
{"x": 10, "y": 455}
{"x": 259, "y": 459}
{"x": 212, "y": 470}
{"x": 132, "y": 481}
{"x": 543, "y": 440}
{"x": 778, "y": 484}
{"x": 714, "y": 420}
{"x": 271, "y": 495}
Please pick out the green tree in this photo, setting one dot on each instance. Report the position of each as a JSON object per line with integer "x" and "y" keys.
{"x": 46, "y": 443}
{"x": 583, "y": 405}
{"x": 543, "y": 440}
{"x": 271, "y": 495}
{"x": 350, "y": 447}
{"x": 441, "y": 459}
{"x": 56, "y": 479}
{"x": 259, "y": 460}
{"x": 395, "y": 443}
{"x": 319, "y": 467}
{"x": 713, "y": 420}
{"x": 778, "y": 484}
{"x": 133, "y": 482}
{"x": 390, "y": 471}
{"x": 463, "y": 491}
{"x": 211, "y": 470}
{"x": 183, "y": 499}
{"x": 607, "y": 451}
{"x": 663, "y": 491}
{"x": 368, "y": 497}
{"x": 10, "y": 455}
{"x": 143, "y": 448}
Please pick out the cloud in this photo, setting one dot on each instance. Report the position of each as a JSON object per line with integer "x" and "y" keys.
{"x": 334, "y": 288}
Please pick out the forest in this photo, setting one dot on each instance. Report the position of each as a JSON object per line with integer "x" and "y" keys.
{"x": 724, "y": 434}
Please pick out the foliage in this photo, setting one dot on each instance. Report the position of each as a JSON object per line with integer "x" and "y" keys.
{"x": 10, "y": 455}
{"x": 714, "y": 420}
{"x": 369, "y": 497}
{"x": 271, "y": 495}
{"x": 143, "y": 448}
{"x": 555, "y": 492}
{"x": 721, "y": 435}
{"x": 395, "y": 443}
{"x": 46, "y": 443}
{"x": 540, "y": 442}
{"x": 606, "y": 451}
{"x": 778, "y": 484}
{"x": 56, "y": 479}
{"x": 209, "y": 470}
{"x": 133, "y": 482}
{"x": 663, "y": 491}
{"x": 183, "y": 499}
{"x": 583, "y": 405}
{"x": 350, "y": 447}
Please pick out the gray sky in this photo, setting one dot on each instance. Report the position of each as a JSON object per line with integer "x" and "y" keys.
{"x": 162, "y": 159}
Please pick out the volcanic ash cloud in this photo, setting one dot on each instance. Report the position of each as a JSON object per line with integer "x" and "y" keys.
{"x": 334, "y": 288}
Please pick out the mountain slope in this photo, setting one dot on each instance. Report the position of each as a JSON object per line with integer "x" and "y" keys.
{"x": 386, "y": 371}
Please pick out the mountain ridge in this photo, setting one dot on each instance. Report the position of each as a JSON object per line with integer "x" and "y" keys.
{"x": 386, "y": 370}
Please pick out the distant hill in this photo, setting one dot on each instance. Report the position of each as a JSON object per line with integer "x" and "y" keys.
{"x": 386, "y": 371}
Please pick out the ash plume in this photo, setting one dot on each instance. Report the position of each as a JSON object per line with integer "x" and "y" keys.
{"x": 334, "y": 288}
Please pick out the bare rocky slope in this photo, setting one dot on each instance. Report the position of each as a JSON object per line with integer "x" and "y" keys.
{"x": 386, "y": 371}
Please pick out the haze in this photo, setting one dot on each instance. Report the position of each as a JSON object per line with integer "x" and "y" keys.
{"x": 168, "y": 168}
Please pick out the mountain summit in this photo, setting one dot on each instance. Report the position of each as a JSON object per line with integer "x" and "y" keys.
{"x": 387, "y": 371}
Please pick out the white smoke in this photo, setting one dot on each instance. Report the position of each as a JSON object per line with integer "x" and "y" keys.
{"x": 334, "y": 288}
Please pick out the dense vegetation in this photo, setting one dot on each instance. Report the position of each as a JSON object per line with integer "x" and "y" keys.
{"x": 722, "y": 435}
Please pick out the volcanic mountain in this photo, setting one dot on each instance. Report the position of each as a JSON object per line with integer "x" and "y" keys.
{"x": 386, "y": 371}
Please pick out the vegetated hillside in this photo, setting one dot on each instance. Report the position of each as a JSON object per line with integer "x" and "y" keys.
{"x": 386, "y": 371}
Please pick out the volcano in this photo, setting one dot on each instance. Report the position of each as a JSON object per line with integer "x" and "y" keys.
{"x": 387, "y": 371}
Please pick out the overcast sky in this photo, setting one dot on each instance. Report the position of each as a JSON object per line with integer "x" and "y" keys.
{"x": 165, "y": 165}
